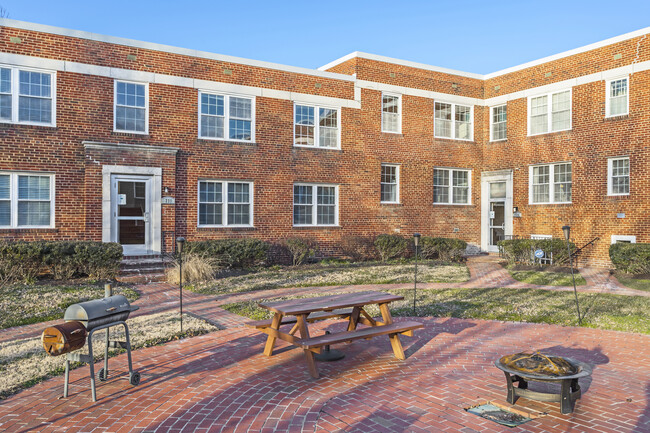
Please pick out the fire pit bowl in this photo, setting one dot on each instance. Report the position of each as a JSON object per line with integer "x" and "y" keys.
{"x": 555, "y": 368}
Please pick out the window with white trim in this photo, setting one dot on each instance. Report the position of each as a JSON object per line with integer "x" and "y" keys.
{"x": 316, "y": 126}
{"x": 618, "y": 176}
{"x": 226, "y": 117}
{"x": 389, "y": 183}
{"x": 550, "y": 183}
{"x": 626, "y": 239}
{"x": 498, "y": 122}
{"x": 26, "y": 200}
{"x": 225, "y": 203}
{"x": 27, "y": 96}
{"x": 453, "y": 121}
{"x": 391, "y": 113}
{"x": 131, "y": 107}
{"x": 451, "y": 186}
{"x": 315, "y": 205}
{"x": 549, "y": 113}
{"x": 617, "y": 97}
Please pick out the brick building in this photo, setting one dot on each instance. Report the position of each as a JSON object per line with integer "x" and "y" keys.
{"x": 111, "y": 139}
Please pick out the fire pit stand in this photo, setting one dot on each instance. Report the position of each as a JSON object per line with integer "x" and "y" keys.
{"x": 569, "y": 389}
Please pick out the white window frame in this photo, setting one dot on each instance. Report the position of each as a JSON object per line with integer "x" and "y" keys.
{"x": 451, "y": 186}
{"x": 146, "y": 108}
{"x": 317, "y": 126}
{"x": 224, "y": 203}
{"x": 13, "y": 199}
{"x": 453, "y": 121}
{"x": 607, "y": 97}
{"x": 314, "y": 204}
{"x": 226, "y": 116}
{"x": 551, "y": 184}
{"x": 15, "y": 95}
{"x": 610, "y": 177}
{"x": 397, "y": 180}
{"x": 549, "y": 111}
{"x": 492, "y": 123}
{"x": 399, "y": 112}
{"x": 625, "y": 238}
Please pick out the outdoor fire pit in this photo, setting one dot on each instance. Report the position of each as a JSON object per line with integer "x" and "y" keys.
{"x": 538, "y": 367}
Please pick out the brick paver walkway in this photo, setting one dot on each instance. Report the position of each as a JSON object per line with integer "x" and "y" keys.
{"x": 222, "y": 382}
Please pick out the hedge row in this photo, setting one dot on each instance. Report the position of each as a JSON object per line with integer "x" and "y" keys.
{"x": 387, "y": 247}
{"x": 522, "y": 250}
{"x": 631, "y": 258}
{"x": 24, "y": 261}
{"x": 231, "y": 253}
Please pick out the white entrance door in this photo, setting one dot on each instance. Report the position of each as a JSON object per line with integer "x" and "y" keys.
{"x": 131, "y": 213}
{"x": 496, "y": 208}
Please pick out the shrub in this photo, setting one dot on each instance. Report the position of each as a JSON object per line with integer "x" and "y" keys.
{"x": 100, "y": 261}
{"x": 60, "y": 259}
{"x": 196, "y": 269}
{"x": 301, "y": 249}
{"x": 521, "y": 250}
{"x": 230, "y": 253}
{"x": 359, "y": 248}
{"x": 630, "y": 258}
{"x": 447, "y": 249}
{"x": 391, "y": 246}
{"x": 20, "y": 261}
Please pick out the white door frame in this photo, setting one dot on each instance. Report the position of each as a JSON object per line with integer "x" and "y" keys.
{"x": 486, "y": 178}
{"x": 131, "y": 250}
{"x": 109, "y": 204}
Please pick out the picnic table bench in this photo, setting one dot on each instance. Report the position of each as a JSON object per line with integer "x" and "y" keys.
{"x": 302, "y": 312}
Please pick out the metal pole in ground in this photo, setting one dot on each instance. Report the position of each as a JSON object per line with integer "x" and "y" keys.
{"x": 416, "y": 241}
{"x": 567, "y": 234}
{"x": 180, "y": 242}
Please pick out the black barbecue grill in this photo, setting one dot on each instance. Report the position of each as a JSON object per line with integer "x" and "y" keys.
{"x": 94, "y": 315}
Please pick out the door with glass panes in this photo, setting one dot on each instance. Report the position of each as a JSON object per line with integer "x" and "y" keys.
{"x": 131, "y": 203}
{"x": 496, "y": 217}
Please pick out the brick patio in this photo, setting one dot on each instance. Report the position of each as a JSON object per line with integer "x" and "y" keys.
{"x": 222, "y": 382}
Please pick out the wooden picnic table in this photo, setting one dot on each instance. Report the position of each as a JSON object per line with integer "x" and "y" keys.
{"x": 301, "y": 312}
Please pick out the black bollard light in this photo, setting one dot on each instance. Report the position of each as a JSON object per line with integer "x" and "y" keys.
{"x": 416, "y": 241}
{"x": 567, "y": 235}
{"x": 180, "y": 242}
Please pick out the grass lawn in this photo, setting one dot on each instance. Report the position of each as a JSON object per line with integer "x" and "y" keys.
{"x": 634, "y": 282}
{"x": 33, "y": 303}
{"x": 545, "y": 278}
{"x": 24, "y": 363}
{"x": 334, "y": 274}
{"x": 616, "y": 312}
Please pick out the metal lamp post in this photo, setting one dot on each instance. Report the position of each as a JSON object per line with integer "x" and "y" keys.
{"x": 567, "y": 235}
{"x": 180, "y": 242}
{"x": 416, "y": 241}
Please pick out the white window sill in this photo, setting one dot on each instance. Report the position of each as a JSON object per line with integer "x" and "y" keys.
{"x": 550, "y": 202}
{"x": 452, "y": 204}
{"x": 389, "y": 202}
{"x": 230, "y": 226}
{"x": 614, "y": 116}
{"x": 306, "y": 146}
{"x": 618, "y": 195}
{"x": 550, "y": 132}
{"x": 27, "y": 227}
{"x": 392, "y": 132}
{"x": 468, "y": 140}
{"x": 497, "y": 141}
{"x": 119, "y": 131}
{"x": 47, "y": 125}
{"x": 316, "y": 225}
{"x": 226, "y": 139}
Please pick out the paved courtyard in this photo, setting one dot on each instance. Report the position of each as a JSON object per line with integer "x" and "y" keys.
{"x": 222, "y": 382}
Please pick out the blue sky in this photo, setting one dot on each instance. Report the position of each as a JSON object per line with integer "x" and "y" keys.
{"x": 472, "y": 36}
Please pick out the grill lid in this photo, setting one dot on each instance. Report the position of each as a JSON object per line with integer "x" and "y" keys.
{"x": 89, "y": 311}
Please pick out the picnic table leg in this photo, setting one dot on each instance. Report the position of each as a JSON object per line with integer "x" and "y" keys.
{"x": 354, "y": 319}
{"x": 394, "y": 338}
{"x": 270, "y": 340}
{"x": 309, "y": 356}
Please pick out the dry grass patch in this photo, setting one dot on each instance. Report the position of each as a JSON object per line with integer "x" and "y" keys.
{"x": 334, "y": 275}
{"x": 24, "y": 363}
{"x": 34, "y": 303}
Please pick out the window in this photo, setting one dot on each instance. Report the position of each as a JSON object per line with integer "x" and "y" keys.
{"x": 498, "y": 122}
{"x": 27, "y": 96}
{"x": 451, "y": 186}
{"x": 315, "y": 205}
{"x": 26, "y": 200}
{"x": 550, "y": 183}
{"x": 623, "y": 239}
{"x": 618, "y": 176}
{"x": 316, "y": 126}
{"x": 391, "y": 113}
{"x": 226, "y": 117}
{"x": 389, "y": 183}
{"x": 617, "y": 97}
{"x": 452, "y": 121}
{"x": 225, "y": 203}
{"x": 549, "y": 113}
{"x": 131, "y": 106}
